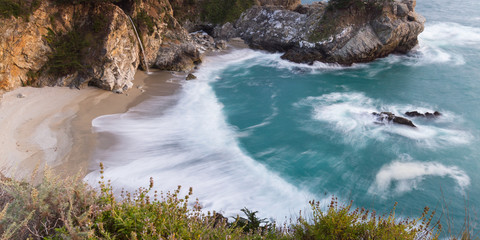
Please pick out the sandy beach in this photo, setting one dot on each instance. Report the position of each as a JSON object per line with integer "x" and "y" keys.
{"x": 52, "y": 125}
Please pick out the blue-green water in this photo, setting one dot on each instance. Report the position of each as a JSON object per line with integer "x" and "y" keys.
{"x": 260, "y": 132}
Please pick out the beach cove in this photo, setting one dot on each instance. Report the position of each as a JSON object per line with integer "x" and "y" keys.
{"x": 253, "y": 129}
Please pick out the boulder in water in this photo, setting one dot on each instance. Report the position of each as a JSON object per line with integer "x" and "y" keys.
{"x": 427, "y": 114}
{"x": 392, "y": 118}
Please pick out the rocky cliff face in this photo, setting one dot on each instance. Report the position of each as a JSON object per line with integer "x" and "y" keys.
{"x": 101, "y": 50}
{"x": 319, "y": 32}
{"x": 95, "y": 44}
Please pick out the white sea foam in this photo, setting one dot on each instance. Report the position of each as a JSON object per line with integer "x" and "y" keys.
{"x": 451, "y": 34}
{"x": 437, "y": 43}
{"x": 351, "y": 115}
{"x": 405, "y": 176}
{"x": 191, "y": 144}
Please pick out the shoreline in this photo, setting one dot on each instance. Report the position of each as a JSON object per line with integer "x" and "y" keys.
{"x": 57, "y": 130}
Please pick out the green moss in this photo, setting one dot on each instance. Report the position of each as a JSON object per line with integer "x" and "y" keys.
{"x": 144, "y": 20}
{"x": 99, "y": 23}
{"x": 68, "y": 52}
{"x": 222, "y": 11}
{"x": 330, "y": 24}
{"x": 68, "y": 2}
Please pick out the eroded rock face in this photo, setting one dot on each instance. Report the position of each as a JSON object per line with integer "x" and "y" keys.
{"x": 168, "y": 45}
{"x": 22, "y": 48}
{"x": 118, "y": 59}
{"x": 110, "y": 61}
{"x": 317, "y": 33}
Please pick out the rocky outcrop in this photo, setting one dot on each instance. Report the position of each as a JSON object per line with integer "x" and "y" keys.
{"x": 97, "y": 42}
{"x": 321, "y": 32}
{"x": 390, "y": 117}
{"x": 108, "y": 58}
{"x": 23, "y": 50}
{"x": 425, "y": 115}
{"x": 168, "y": 46}
{"x": 190, "y": 77}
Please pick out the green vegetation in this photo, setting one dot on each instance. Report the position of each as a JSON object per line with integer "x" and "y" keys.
{"x": 222, "y": 11}
{"x": 143, "y": 19}
{"x": 343, "y": 4}
{"x": 17, "y": 8}
{"x": 83, "y": 1}
{"x": 339, "y": 11}
{"x": 69, "y": 209}
{"x": 68, "y": 52}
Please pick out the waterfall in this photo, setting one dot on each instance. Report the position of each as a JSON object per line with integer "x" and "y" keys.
{"x": 141, "y": 45}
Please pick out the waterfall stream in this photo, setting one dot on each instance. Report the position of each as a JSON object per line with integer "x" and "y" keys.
{"x": 141, "y": 45}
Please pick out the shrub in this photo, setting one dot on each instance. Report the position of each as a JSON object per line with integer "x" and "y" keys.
{"x": 222, "y": 11}
{"x": 68, "y": 2}
{"x": 17, "y": 8}
{"x": 54, "y": 207}
{"x": 69, "y": 209}
{"x": 340, "y": 222}
{"x": 143, "y": 19}
{"x": 166, "y": 216}
{"x": 343, "y": 4}
{"x": 68, "y": 52}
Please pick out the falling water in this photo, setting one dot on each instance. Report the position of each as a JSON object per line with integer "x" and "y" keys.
{"x": 141, "y": 45}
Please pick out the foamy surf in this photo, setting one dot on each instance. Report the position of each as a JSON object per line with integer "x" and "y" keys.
{"x": 350, "y": 114}
{"x": 437, "y": 43}
{"x": 404, "y": 175}
{"x": 191, "y": 144}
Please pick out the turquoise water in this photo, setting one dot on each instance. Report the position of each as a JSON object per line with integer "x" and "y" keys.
{"x": 257, "y": 131}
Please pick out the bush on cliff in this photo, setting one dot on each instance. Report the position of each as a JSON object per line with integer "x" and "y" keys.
{"x": 343, "y": 4}
{"x": 222, "y": 11}
{"x": 17, "y": 8}
{"x": 84, "y": 1}
{"x": 69, "y": 209}
{"x": 54, "y": 207}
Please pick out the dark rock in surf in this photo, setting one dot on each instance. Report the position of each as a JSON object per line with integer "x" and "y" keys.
{"x": 390, "y": 117}
{"x": 190, "y": 77}
{"x": 426, "y": 115}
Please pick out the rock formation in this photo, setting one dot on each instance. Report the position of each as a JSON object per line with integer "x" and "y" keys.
{"x": 109, "y": 57}
{"x": 328, "y": 33}
{"x": 95, "y": 44}
{"x": 390, "y": 117}
{"x": 426, "y": 115}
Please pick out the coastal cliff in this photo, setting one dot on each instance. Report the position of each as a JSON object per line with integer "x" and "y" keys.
{"x": 58, "y": 43}
{"x": 69, "y": 45}
{"x": 343, "y": 32}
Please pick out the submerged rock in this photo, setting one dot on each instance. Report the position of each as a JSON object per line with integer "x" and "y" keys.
{"x": 322, "y": 32}
{"x": 390, "y": 117}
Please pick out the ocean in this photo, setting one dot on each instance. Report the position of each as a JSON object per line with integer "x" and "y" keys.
{"x": 259, "y": 132}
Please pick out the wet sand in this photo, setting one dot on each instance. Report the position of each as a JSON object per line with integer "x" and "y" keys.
{"x": 53, "y": 126}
